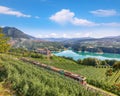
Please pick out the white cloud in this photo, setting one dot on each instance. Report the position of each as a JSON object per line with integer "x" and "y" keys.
{"x": 76, "y": 33}
{"x": 9, "y": 11}
{"x": 66, "y": 16}
{"x": 39, "y": 36}
{"x": 82, "y": 22}
{"x": 68, "y": 34}
{"x": 63, "y": 16}
{"x": 53, "y": 34}
{"x": 113, "y": 24}
{"x": 65, "y": 35}
{"x": 37, "y": 17}
{"x": 104, "y": 13}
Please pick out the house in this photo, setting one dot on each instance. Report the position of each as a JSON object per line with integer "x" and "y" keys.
{"x": 43, "y": 51}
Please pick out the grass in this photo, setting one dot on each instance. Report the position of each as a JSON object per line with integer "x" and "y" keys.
{"x": 30, "y": 80}
{"x": 92, "y": 73}
{"x": 95, "y": 76}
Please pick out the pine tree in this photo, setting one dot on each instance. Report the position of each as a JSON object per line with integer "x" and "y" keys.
{"x": 116, "y": 66}
{"x": 4, "y": 46}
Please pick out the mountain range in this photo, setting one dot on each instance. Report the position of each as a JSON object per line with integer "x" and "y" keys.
{"x": 15, "y": 33}
{"x": 20, "y": 39}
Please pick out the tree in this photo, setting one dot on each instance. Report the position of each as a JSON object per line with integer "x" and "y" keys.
{"x": 91, "y": 61}
{"x": 110, "y": 62}
{"x": 103, "y": 62}
{"x": 80, "y": 61}
{"x": 108, "y": 73}
{"x": 4, "y": 46}
{"x": 116, "y": 66}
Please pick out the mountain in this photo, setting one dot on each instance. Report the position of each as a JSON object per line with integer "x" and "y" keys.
{"x": 83, "y": 39}
{"x": 55, "y": 39}
{"x": 116, "y": 38}
{"x": 17, "y": 37}
{"x": 15, "y": 33}
{"x": 21, "y": 40}
{"x": 110, "y": 39}
{"x": 74, "y": 40}
{"x": 100, "y": 45}
{"x": 66, "y": 39}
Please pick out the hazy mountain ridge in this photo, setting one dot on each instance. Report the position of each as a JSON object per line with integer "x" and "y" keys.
{"x": 55, "y": 39}
{"x": 15, "y": 33}
{"x": 20, "y": 39}
{"x": 82, "y": 39}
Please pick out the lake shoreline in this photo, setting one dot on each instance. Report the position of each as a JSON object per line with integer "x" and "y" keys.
{"x": 82, "y": 55}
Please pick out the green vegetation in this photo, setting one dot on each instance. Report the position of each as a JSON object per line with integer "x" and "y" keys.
{"x": 116, "y": 66}
{"x": 31, "y": 45}
{"x": 30, "y": 80}
{"x": 4, "y": 46}
{"x": 96, "y": 62}
{"x": 102, "y": 45}
{"x": 91, "y": 62}
{"x": 95, "y": 75}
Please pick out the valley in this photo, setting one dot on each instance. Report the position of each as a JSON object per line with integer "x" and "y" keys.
{"x": 100, "y": 73}
{"x": 59, "y": 48}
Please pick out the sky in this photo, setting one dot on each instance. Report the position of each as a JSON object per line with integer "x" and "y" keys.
{"x": 62, "y": 18}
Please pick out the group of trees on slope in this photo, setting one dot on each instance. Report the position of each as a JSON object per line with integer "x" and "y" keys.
{"x": 4, "y": 46}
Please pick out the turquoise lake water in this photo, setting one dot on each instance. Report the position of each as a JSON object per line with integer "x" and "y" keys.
{"x": 82, "y": 55}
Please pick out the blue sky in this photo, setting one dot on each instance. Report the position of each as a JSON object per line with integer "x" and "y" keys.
{"x": 62, "y": 18}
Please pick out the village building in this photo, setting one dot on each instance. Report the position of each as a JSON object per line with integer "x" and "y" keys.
{"x": 43, "y": 51}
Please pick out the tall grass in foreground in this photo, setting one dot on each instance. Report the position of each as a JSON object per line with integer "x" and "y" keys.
{"x": 30, "y": 80}
{"x": 95, "y": 76}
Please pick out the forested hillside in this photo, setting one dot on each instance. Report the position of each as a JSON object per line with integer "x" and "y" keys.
{"x": 106, "y": 45}
{"x": 19, "y": 39}
{"x": 97, "y": 76}
{"x": 30, "y": 80}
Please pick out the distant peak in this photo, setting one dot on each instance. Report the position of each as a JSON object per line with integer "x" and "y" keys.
{"x": 15, "y": 33}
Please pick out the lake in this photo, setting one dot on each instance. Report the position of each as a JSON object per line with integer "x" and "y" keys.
{"x": 82, "y": 55}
